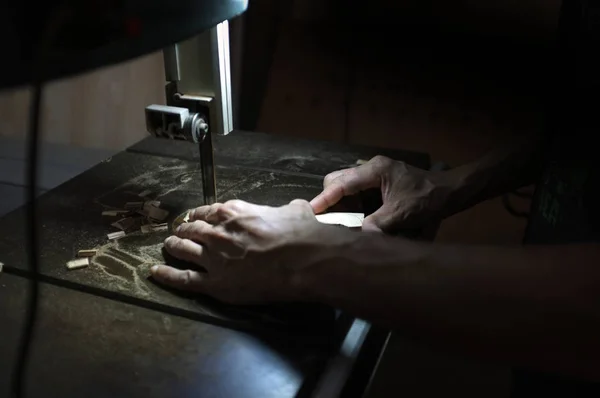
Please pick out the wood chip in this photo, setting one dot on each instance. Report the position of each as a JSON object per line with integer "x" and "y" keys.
{"x": 134, "y": 205}
{"x": 87, "y": 253}
{"x": 160, "y": 228}
{"x": 79, "y": 263}
{"x": 146, "y": 229}
{"x": 145, "y": 193}
{"x": 157, "y": 214}
{"x": 116, "y": 235}
{"x": 114, "y": 213}
{"x": 128, "y": 223}
{"x": 150, "y": 204}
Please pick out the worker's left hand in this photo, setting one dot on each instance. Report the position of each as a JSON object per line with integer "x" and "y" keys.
{"x": 249, "y": 252}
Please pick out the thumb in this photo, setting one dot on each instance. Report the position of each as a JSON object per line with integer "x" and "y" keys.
{"x": 379, "y": 221}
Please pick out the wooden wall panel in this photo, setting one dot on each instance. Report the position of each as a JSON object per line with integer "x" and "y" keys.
{"x": 307, "y": 86}
{"x": 101, "y": 109}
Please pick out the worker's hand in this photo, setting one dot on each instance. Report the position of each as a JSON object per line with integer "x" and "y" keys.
{"x": 411, "y": 196}
{"x": 250, "y": 252}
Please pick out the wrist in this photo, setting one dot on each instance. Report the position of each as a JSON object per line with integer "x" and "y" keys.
{"x": 342, "y": 268}
{"x": 314, "y": 261}
{"x": 456, "y": 186}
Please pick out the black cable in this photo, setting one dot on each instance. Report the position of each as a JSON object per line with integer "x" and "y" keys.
{"x": 55, "y": 19}
{"x": 28, "y": 335}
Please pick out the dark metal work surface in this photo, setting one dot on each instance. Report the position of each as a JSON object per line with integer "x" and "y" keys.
{"x": 95, "y": 343}
{"x": 71, "y": 220}
{"x": 92, "y": 347}
{"x": 279, "y": 153}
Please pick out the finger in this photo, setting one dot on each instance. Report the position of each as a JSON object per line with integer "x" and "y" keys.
{"x": 203, "y": 233}
{"x": 218, "y": 212}
{"x": 380, "y": 221}
{"x": 187, "y": 250}
{"x": 329, "y": 178}
{"x": 204, "y": 213}
{"x": 188, "y": 280}
{"x": 346, "y": 183}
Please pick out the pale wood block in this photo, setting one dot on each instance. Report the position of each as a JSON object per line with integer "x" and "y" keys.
{"x": 79, "y": 263}
{"x": 87, "y": 253}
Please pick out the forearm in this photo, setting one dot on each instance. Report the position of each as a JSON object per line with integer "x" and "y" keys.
{"x": 500, "y": 171}
{"x": 537, "y": 307}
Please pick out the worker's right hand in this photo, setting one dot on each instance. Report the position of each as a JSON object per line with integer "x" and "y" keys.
{"x": 411, "y": 196}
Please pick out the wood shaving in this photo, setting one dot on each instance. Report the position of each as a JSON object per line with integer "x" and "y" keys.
{"x": 128, "y": 223}
{"x": 114, "y": 213}
{"x": 146, "y": 229}
{"x": 134, "y": 205}
{"x": 79, "y": 263}
{"x": 115, "y": 235}
{"x": 161, "y": 228}
{"x": 157, "y": 214}
{"x": 87, "y": 253}
{"x": 150, "y": 204}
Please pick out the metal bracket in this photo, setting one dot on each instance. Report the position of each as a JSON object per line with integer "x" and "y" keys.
{"x": 175, "y": 122}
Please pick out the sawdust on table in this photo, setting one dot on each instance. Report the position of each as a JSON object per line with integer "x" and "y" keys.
{"x": 127, "y": 269}
{"x": 161, "y": 182}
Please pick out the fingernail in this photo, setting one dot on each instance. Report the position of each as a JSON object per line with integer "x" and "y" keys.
{"x": 168, "y": 239}
{"x": 154, "y": 269}
{"x": 178, "y": 229}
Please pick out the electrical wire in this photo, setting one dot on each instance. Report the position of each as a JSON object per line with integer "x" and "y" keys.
{"x": 54, "y": 22}
{"x": 27, "y": 338}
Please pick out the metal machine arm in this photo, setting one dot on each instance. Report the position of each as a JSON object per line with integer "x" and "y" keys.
{"x": 198, "y": 96}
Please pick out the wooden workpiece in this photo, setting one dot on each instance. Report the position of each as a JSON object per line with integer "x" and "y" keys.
{"x": 350, "y": 220}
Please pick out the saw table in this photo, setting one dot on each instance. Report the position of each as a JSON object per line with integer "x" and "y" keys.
{"x": 109, "y": 330}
